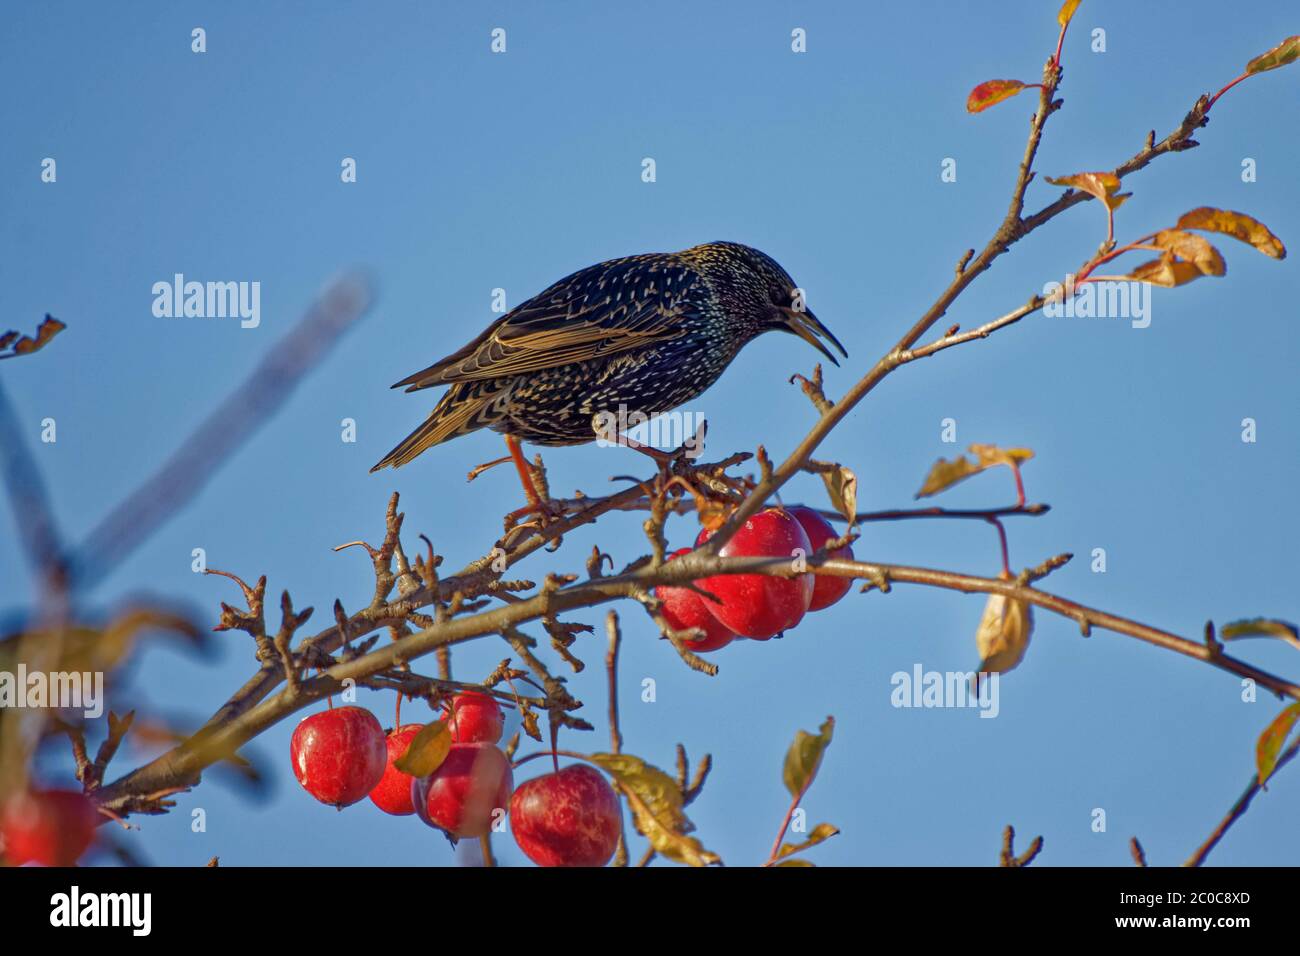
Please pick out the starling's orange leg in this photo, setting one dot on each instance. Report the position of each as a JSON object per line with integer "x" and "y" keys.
{"x": 543, "y": 509}
{"x": 525, "y": 473}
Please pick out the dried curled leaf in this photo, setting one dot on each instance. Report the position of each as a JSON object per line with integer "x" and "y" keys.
{"x": 26, "y": 344}
{"x": 1285, "y": 52}
{"x": 1004, "y": 632}
{"x": 656, "y": 803}
{"x": 1165, "y": 271}
{"x": 1103, "y": 186}
{"x": 804, "y": 758}
{"x": 1193, "y": 248}
{"x": 1067, "y": 12}
{"x": 1271, "y": 741}
{"x": 1235, "y": 224}
{"x": 426, "y": 751}
{"x": 842, "y": 487}
{"x": 944, "y": 474}
{"x": 991, "y": 92}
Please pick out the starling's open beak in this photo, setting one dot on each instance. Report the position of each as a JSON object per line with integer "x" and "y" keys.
{"x": 807, "y": 326}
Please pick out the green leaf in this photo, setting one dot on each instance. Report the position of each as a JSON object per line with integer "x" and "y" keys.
{"x": 1285, "y": 52}
{"x": 805, "y": 757}
{"x": 821, "y": 833}
{"x": 1271, "y": 741}
{"x": 426, "y": 751}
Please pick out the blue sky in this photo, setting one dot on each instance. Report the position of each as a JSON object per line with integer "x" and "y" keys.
{"x": 478, "y": 171}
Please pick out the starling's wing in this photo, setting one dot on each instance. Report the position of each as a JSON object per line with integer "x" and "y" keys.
{"x": 602, "y": 310}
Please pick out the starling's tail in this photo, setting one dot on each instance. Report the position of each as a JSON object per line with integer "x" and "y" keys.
{"x": 467, "y": 407}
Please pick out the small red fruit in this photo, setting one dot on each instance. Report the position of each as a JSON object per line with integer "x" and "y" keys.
{"x": 475, "y": 718}
{"x": 568, "y": 818}
{"x": 50, "y": 827}
{"x": 828, "y": 588}
{"x": 468, "y": 793}
{"x": 684, "y": 608}
{"x": 393, "y": 792}
{"x": 339, "y": 755}
{"x": 761, "y": 605}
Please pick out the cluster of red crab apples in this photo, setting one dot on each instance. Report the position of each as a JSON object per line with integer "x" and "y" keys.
{"x": 570, "y": 817}
{"x": 567, "y": 818}
{"x": 757, "y": 606}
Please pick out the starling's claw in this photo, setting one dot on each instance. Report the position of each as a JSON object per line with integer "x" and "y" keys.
{"x": 546, "y": 511}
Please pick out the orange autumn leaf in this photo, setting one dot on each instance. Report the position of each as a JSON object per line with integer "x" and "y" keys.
{"x": 1166, "y": 271}
{"x": 1103, "y": 186}
{"x": 26, "y": 344}
{"x": 1269, "y": 747}
{"x": 1067, "y": 12}
{"x": 1235, "y": 224}
{"x": 1288, "y": 51}
{"x": 1193, "y": 248}
{"x": 991, "y": 92}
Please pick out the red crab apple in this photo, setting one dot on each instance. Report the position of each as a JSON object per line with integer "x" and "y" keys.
{"x": 828, "y": 588}
{"x": 475, "y": 718}
{"x": 50, "y": 827}
{"x": 684, "y": 608}
{"x": 464, "y": 795}
{"x": 567, "y": 818}
{"x": 393, "y": 792}
{"x": 339, "y": 755}
{"x": 761, "y": 605}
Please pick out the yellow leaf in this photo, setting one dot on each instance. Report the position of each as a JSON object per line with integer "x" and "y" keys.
{"x": 990, "y": 93}
{"x": 1285, "y": 52}
{"x": 796, "y": 862}
{"x": 659, "y": 791}
{"x": 426, "y": 751}
{"x": 1235, "y": 224}
{"x": 820, "y": 833}
{"x": 1004, "y": 632}
{"x": 1165, "y": 271}
{"x": 1067, "y": 12}
{"x": 656, "y": 803}
{"x": 1195, "y": 249}
{"x": 944, "y": 474}
{"x": 1260, "y": 627}
{"x": 667, "y": 842}
{"x": 1269, "y": 747}
{"x": 804, "y": 758}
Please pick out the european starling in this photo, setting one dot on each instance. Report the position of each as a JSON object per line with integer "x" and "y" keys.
{"x": 642, "y": 334}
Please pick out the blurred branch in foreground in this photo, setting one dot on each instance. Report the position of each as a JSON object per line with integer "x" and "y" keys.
{"x": 246, "y": 409}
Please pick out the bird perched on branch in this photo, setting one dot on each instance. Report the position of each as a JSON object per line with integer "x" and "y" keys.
{"x": 642, "y": 334}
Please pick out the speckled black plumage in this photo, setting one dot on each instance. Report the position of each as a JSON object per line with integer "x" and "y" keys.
{"x": 644, "y": 333}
